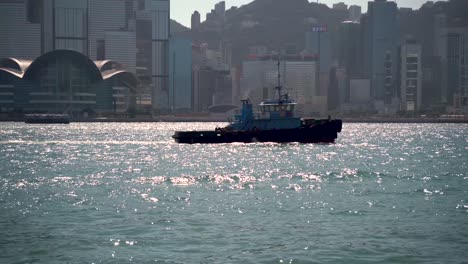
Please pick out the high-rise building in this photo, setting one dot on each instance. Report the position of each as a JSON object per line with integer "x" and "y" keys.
{"x": 120, "y": 46}
{"x": 341, "y": 90}
{"x": 365, "y": 37}
{"x": 210, "y": 87}
{"x": 110, "y": 33}
{"x": 359, "y": 98}
{"x": 65, "y": 25}
{"x": 132, "y": 32}
{"x": 318, "y": 43}
{"x": 180, "y": 92}
{"x": 359, "y": 91}
{"x": 440, "y": 54}
{"x": 223, "y": 88}
{"x": 195, "y": 21}
{"x": 204, "y": 85}
{"x": 410, "y": 77}
{"x": 451, "y": 48}
{"x": 340, "y": 6}
{"x": 220, "y": 9}
{"x": 20, "y": 30}
{"x": 457, "y": 60}
{"x": 152, "y": 31}
{"x": 350, "y": 49}
{"x": 432, "y": 83}
{"x": 215, "y": 19}
{"x": 354, "y": 13}
{"x": 212, "y": 79}
{"x": 298, "y": 79}
{"x": 382, "y": 40}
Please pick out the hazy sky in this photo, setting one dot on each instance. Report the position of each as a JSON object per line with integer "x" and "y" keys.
{"x": 181, "y": 10}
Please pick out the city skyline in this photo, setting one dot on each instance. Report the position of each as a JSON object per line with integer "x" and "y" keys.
{"x": 386, "y": 62}
{"x": 181, "y": 10}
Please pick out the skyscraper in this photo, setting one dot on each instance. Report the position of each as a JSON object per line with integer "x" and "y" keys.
{"x": 354, "y": 13}
{"x": 411, "y": 77}
{"x": 456, "y": 62}
{"x": 220, "y": 9}
{"x": 382, "y": 42}
{"x": 66, "y": 25}
{"x": 350, "y": 60}
{"x": 112, "y": 31}
{"x": 451, "y": 48}
{"x": 340, "y": 6}
{"x": 349, "y": 48}
{"x": 133, "y": 32}
{"x": 180, "y": 92}
{"x": 20, "y": 30}
{"x": 155, "y": 15}
{"x": 318, "y": 43}
{"x": 195, "y": 21}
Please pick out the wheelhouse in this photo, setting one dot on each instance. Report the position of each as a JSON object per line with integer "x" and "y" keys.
{"x": 277, "y": 109}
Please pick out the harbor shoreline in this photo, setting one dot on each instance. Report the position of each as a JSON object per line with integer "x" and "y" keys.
{"x": 218, "y": 119}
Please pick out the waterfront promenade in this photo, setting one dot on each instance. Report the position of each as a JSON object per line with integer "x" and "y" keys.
{"x": 461, "y": 120}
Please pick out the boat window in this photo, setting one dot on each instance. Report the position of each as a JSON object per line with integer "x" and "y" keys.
{"x": 276, "y": 108}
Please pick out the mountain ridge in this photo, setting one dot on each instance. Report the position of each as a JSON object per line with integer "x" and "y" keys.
{"x": 276, "y": 23}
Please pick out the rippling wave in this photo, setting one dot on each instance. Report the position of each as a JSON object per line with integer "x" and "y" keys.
{"x": 113, "y": 192}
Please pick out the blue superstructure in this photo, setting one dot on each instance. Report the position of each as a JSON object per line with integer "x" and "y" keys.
{"x": 274, "y": 114}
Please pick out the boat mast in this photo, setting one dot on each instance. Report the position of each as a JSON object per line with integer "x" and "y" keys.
{"x": 279, "y": 80}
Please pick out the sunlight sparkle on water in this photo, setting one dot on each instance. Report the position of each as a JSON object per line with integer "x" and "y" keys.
{"x": 102, "y": 193}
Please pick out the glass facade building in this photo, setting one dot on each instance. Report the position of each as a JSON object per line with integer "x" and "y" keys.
{"x": 180, "y": 92}
{"x": 71, "y": 25}
{"x": 159, "y": 13}
{"x": 382, "y": 42}
{"x": 133, "y": 32}
{"x": 20, "y": 38}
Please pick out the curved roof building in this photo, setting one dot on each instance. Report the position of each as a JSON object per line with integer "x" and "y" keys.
{"x": 65, "y": 81}
{"x": 15, "y": 64}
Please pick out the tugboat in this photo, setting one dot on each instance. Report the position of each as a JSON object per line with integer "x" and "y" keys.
{"x": 276, "y": 123}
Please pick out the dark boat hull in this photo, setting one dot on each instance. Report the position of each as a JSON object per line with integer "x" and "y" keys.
{"x": 47, "y": 119}
{"x": 324, "y": 133}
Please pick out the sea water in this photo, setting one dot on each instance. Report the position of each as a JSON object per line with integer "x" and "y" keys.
{"x": 126, "y": 193}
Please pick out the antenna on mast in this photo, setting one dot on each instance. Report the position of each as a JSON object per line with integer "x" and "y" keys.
{"x": 279, "y": 79}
